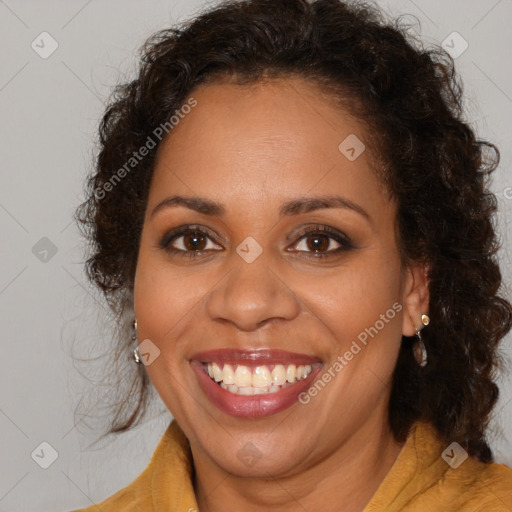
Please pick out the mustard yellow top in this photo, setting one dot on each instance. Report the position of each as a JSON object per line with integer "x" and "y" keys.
{"x": 420, "y": 480}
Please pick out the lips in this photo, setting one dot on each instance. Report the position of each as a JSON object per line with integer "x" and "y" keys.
{"x": 255, "y": 383}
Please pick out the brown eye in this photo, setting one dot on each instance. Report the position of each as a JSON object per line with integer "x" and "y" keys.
{"x": 188, "y": 241}
{"x": 322, "y": 241}
{"x": 317, "y": 243}
{"x": 194, "y": 241}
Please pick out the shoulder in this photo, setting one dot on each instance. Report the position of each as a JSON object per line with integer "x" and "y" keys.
{"x": 481, "y": 486}
{"x": 460, "y": 482}
{"x": 432, "y": 474}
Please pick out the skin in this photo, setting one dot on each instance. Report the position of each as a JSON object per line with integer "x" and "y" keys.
{"x": 252, "y": 148}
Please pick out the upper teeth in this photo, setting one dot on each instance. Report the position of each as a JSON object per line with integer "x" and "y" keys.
{"x": 259, "y": 376}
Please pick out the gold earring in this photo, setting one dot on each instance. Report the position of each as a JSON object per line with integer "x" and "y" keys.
{"x": 425, "y": 319}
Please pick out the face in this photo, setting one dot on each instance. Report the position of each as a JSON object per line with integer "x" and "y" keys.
{"x": 276, "y": 298}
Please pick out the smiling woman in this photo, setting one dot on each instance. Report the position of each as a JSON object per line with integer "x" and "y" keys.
{"x": 310, "y": 257}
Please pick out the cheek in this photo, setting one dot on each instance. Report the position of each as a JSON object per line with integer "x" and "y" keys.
{"x": 157, "y": 304}
{"x": 166, "y": 300}
{"x": 163, "y": 301}
{"x": 354, "y": 297}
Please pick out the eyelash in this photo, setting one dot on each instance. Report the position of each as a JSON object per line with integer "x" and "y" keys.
{"x": 184, "y": 230}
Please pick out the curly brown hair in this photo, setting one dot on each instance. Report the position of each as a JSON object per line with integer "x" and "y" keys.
{"x": 434, "y": 167}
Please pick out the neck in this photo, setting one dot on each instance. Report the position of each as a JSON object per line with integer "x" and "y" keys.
{"x": 344, "y": 481}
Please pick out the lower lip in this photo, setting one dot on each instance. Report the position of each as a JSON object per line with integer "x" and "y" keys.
{"x": 252, "y": 406}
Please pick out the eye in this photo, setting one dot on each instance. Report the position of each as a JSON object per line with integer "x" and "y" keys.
{"x": 319, "y": 241}
{"x": 188, "y": 241}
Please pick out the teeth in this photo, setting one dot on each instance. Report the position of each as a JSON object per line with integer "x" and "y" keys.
{"x": 246, "y": 391}
{"x": 228, "y": 375}
{"x": 217, "y": 372}
{"x": 243, "y": 376}
{"x": 290, "y": 373}
{"x": 245, "y": 380}
{"x": 278, "y": 375}
{"x": 261, "y": 377}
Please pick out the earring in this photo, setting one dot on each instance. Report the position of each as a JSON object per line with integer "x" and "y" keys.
{"x": 420, "y": 352}
{"x": 136, "y": 353}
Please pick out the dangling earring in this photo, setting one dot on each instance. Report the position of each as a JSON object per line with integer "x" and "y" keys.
{"x": 136, "y": 353}
{"x": 420, "y": 352}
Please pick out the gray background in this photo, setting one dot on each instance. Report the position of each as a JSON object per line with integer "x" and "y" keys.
{"x": 49, "y": 111}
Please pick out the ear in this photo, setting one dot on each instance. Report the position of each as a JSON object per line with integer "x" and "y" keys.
{"x": 415, "y": 297}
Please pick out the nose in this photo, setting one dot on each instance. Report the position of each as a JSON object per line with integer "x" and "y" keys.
{"x": 252, "y": 295}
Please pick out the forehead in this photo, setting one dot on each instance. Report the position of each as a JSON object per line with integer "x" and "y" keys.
{"x": 276, "y": 137}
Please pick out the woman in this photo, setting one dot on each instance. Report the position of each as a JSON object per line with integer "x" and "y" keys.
{"x": 289, "y": 200}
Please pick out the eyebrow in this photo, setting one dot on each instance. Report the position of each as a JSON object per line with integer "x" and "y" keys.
{"x": 294, "y": 207}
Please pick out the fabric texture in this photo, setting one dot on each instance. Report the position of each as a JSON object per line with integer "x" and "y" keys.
{"x": 420, "y": 480}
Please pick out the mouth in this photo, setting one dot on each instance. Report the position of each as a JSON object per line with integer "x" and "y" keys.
{"x": 254, "y": 383}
